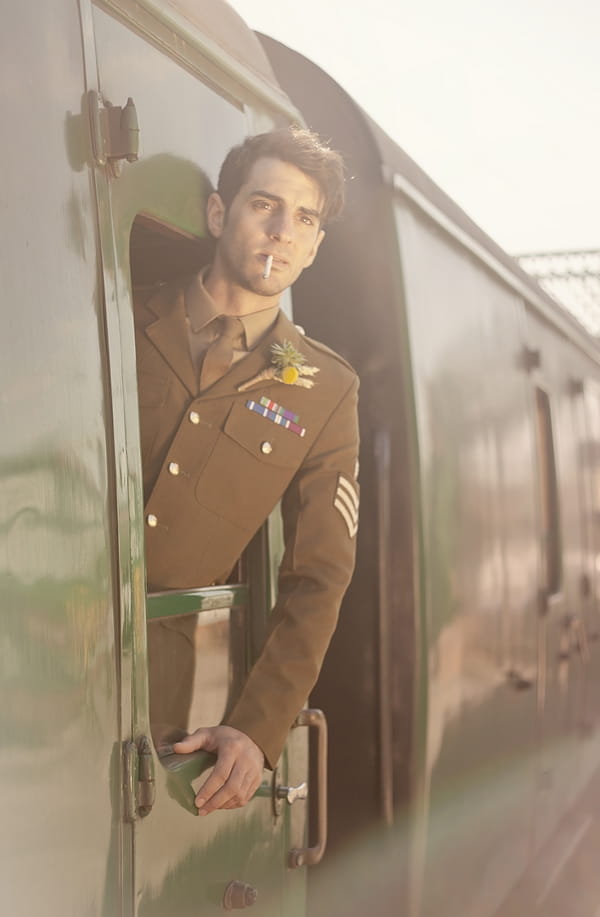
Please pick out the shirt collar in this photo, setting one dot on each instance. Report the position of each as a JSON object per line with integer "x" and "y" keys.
{"x": 201, "y": 309}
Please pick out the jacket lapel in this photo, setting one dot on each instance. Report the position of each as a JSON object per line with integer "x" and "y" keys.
{"x": 257, "y": 360}
{"x": 169, "y": 335}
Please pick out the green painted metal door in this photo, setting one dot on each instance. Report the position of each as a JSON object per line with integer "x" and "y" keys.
{"x": 200, "y": 643}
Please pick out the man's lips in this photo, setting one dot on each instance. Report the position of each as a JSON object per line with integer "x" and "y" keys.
{"x": 277, "y": 261}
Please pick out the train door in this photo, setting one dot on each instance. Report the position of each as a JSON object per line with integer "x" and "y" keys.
{"x": 203, "y": 639}
{"x": 587, "y": 402}
{"x": 551, "y": 682}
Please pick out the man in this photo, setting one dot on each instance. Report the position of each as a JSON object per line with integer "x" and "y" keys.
{"x": 239, "y": 410}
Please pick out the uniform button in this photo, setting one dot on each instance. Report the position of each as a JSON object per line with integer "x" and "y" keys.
{"x": 266, "y": 448}
{"x": 194, "y": 417}
{"x": 173, "y": 468}
{"x": 152, "y": 520}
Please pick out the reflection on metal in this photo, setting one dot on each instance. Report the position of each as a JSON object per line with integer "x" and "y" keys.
{"x": 310, "y": 856}
{"x": 239, "y": 895}
{"x": 115, "y": 132}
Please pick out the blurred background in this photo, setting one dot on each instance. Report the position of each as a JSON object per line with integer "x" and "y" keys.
{"x": 499, "y": 103}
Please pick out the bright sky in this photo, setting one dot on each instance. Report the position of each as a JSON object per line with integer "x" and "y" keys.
{"x": 499, "y": 102}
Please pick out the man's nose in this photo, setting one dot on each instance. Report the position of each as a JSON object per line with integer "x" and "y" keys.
{"x": 282, "y": 227}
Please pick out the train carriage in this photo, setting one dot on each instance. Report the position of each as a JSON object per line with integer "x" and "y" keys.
{"x": 461, "y": 688}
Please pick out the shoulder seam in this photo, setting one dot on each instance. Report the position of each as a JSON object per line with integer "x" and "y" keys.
{"x": 323, "y": 348}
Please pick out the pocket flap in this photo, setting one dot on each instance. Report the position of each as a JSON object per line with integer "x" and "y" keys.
{"x": 264, "y": 438}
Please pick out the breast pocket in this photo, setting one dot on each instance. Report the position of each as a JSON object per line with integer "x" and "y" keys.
{"x": 250, "y": 467}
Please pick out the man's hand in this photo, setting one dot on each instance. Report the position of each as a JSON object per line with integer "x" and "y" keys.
{"x": 237, "y": 773}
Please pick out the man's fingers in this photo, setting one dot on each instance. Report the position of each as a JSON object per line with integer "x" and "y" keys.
{"x": 239, "y": 787}
{"x": 219, "y": 778}
{"x": 232, "y": 793}
{"x": 237, "y": 773}
{"x": 200, "y": 739}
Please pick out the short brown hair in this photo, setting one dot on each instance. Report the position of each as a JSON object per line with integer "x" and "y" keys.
{"x": 303, "y": 149}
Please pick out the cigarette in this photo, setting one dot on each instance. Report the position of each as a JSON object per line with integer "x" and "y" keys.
{"x": 268, "y": 266}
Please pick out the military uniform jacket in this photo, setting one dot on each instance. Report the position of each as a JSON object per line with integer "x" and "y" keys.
{"x": 232, "y": 465}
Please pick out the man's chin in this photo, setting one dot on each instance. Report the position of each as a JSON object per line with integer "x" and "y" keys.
{"x": 270, "y": 287}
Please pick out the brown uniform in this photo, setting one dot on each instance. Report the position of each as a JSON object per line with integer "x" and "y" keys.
{"x": 233, "y": 462}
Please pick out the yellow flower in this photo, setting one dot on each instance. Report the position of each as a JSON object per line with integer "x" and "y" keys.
{"x": 288, "y": 365}
{"x": 289, "y": 375}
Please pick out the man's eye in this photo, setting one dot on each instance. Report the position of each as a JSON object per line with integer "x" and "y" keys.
{"x": 308, "y": 221}
{"x": 262, "y": 205}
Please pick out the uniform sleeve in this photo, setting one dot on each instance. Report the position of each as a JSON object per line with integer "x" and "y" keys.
{"x": 320, "y": 516}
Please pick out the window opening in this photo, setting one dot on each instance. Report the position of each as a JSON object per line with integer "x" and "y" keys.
{"x": 200, "y": 641}
{"x": 548, "y": 494}
{"x": 159, "y": 252}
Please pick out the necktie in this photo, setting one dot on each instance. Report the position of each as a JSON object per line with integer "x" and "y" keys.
{"x": 219, "y": 356}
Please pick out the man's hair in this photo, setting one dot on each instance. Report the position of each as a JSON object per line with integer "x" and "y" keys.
{"x": 303, "y": 149}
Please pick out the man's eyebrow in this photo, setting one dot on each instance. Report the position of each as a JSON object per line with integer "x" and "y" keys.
{"x": 267, "y": 194}
{"x": 307, "y": 211}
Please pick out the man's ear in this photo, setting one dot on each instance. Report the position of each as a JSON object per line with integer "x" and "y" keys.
{"x": 215, "y": 214}
{"x": 313, "y": 252}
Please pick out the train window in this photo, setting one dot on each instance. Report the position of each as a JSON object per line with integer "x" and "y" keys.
{"x": 196, "y": 661}
{"x": 548, "y": 494}
{"x": 200, "y": 640}
{"x": 159, "y": 252}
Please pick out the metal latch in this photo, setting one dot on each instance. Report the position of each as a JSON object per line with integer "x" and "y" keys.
{"x": 140, "y": 789}
{"x": 115, "y": 132}
{"x": 292, "y": 793}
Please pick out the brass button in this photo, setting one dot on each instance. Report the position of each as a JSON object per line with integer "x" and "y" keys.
{"x": 194, "y": 417}
{"x": 152, "y": 520}
{"x": 173, "y": 468}
{"x": 266, "y": 448}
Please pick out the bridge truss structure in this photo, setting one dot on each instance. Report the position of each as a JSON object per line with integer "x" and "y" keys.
{"x": 572, "y": 278}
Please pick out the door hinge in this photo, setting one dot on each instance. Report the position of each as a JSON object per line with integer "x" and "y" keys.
{"x": 139, "y": 785}
{"x": 115, "y": 132}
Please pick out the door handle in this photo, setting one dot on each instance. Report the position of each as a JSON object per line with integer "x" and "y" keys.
{"x": 310, "y": 856}
{"x": 292, "y": 793}
{"x": 182, "y": 770}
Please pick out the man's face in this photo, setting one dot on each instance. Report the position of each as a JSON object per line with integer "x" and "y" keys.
{"x": 276, "y": 212}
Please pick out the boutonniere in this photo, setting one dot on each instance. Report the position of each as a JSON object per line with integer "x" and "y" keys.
{"x": 288, "y": 365}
